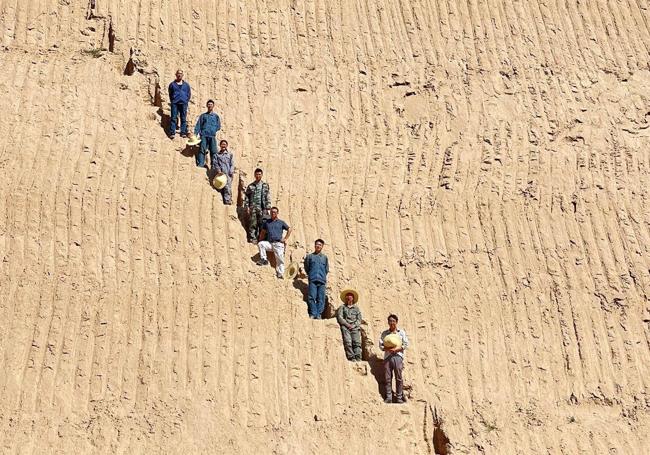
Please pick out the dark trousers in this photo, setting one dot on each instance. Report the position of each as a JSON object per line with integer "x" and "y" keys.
{"x": 316, "y": 299}
{"x": 178, "y": 109}
{"x": 393, "y": 364}
{"x": 351, "y": 343}
{"x": 207, "y": 144}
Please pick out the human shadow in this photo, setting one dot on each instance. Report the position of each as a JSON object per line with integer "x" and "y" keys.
{"x": 375, "y": 362}
{"x": 303, "y": 287}
{"x": 165, "y": 120}
{"x": 190, "y": 151}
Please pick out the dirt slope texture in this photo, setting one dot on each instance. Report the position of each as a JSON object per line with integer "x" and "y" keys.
{"x": 478, "y": 167}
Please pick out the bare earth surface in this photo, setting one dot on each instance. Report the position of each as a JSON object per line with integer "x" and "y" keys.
{"x": 478, "y": 167}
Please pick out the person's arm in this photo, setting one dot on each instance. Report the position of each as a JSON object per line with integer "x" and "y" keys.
{"x": 327, "y": 266}
{"x": 232, "y": 164}
{"x": 170, "y": 91}
{"x": 339, "y": 316}
{"x": 286, "y": 236}
{"x": 197, "y": 127}
{"x": 267, "y": 197}
{"x": 189, "y": 92}
{"x": 359, "y": 318}
{"x": 218, "y": 122}
{"x": 381, "y": 341}
{"x": 307, "y": 263}
{"x": 262, "y": 235}
{"x": 405, "y": 341}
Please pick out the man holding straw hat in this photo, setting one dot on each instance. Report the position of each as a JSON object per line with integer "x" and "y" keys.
{"x": 349, "y": 318}
{"x": 393, "y": 342}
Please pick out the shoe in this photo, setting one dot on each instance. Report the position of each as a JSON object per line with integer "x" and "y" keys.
{"x": 279, "y": 277}
{"x": 227, "y": 203}
{"x": 356, "y": 359}
{"x": 171, "y": 136}
{"x": 183, "y": 134}
{"x": 312, "y": 317}
{"x": 262, "y": 262}
{"x": 400, "y": 401}
{"x": 388, "y": 400}
{"x": 253, "y": 241}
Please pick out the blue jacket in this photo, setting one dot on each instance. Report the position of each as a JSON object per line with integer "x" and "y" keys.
{"x": 317, "y": 267}
{"x": 207, "y": 125}
{"x": 224, "y": 162}
{"x": 179, "y": 93}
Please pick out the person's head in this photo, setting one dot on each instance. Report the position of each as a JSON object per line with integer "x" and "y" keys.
{"x": 392, "y": 321}
{"x": 318, "y": 245}
{"x": 274, "y": 213}
{"x": 179, "y": 75}
{"x": 349, "y": 298}
{"x": 223, "y": 144}
{"x": 258, "y": 174}
{"x": 210, "y": 105}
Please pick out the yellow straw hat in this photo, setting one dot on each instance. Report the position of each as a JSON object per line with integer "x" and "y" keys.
{"x": 392, "y": 341}
{"x": 291, "y": 271}
{"x": 345, "y": 292}
{"x": 194, "y": 140}
{"x": 219, "y": 181}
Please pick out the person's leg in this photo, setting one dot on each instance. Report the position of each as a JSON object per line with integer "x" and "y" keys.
{"x": 172, "y": 119}
{"x": 347, "y": 343}
{"x": 182, "y": 110}
{"x": 254, "y": 220}
{"x": 321, "y": 300}
{"x": 226, "y": 192}
{"x": 388, "y": 381}
{"x": 356, "y": 343}
{"x": 213, "y": 151}
{"x": 399, "y": 390}
{"x": 263, "y": 247}
{"x": 312, "y": 300}
{"x": 278, "y": 251}
{"x": 200, "y": 157}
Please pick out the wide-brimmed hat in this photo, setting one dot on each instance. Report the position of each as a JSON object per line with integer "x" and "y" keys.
{"x": 345, "y": 292}
{"x": 393, "y": 341}
{"x": 291, "y": 271}
{"x": 219, "y": 181}
{"x": 194, "y": 140}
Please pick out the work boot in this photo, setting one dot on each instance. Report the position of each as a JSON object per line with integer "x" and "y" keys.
{"x": 262, "y": 262}
{"x": 388, "y": 400}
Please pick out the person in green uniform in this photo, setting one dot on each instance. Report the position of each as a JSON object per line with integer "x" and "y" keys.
{"x": 257, "y": 202}
{"x": 349, "y": 318}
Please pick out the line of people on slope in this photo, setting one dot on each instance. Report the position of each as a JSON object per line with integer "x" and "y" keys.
{"x": 271, "y": 234}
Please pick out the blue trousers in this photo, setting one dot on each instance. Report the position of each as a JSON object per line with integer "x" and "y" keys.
{"x": 207, "y": 144}
{"x": 178, "y": 108}
{"x": 316, "y": 299}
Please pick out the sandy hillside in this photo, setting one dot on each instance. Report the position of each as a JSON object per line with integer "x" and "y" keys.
{"x": 478, "y": 167}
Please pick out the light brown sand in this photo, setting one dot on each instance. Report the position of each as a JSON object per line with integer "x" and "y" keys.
{"x": 478, "y": 167}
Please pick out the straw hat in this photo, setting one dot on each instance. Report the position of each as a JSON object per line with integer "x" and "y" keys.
{"x": 291, "y": 271}
{"x": 393, "y": 341}
{"x": 194, "y": 140}
{"x": 345, "y": 292}
{"x": 220, "y": 181}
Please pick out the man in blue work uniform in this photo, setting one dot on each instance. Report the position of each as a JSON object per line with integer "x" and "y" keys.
{"x": 207, "y": 126}
{"x": 316, "y": 267}
{"x": 179, "y": 97}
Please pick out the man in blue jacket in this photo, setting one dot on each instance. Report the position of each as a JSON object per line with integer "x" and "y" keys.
{"x": 179, "y": 97}
{"x": 316, "y": 267}
{"x": 207, "y": 126}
